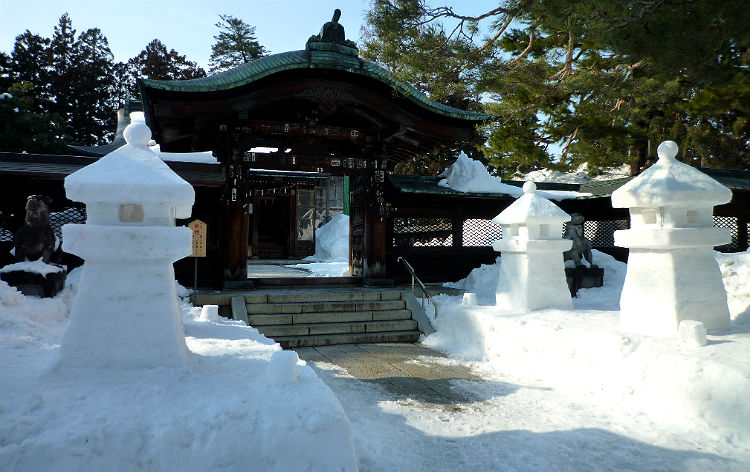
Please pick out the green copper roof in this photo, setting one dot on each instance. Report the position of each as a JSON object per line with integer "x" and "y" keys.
{"x": 331, "y": 59}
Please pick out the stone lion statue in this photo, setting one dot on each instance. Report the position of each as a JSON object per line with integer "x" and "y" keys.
{"x": 35, "y": 239}
{"x": 581, "y": 245}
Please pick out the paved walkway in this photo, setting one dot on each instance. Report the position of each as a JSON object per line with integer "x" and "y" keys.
{"x": 274, "y": 270}
{"x": 405, "y": 370}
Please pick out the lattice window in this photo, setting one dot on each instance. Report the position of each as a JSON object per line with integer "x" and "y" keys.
{"x": 422, "y": 232}
{"x": 480, "y": 233}
{"x": 6, "y": 234}
{"x": 602, "y": 233}
{"x": 729, "y": 222}
{"x": 58, "y": 219}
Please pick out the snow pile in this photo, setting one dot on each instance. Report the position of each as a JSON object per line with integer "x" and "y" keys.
{"x": 578, "y": 176}
{"x": 241, "y": 403}
{"x": 35, "y": 267}
{"x": 735, "y": 272}
{"x": 331, "y": 258}
{"x": 332, "y": 240}
{"x": 469, "y": 175}
{"x": 482, "y": 281}
{"x": 205, "y": 157}
{"x": 584, "y": 353}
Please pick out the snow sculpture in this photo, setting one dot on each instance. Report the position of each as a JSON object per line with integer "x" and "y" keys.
{"x": 672, "y": 273}
{"x": 126, "y": 313}
{"x": 532, "y": 272}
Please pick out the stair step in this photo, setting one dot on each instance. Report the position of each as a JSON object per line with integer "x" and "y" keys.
{"x": 313, "y": 307}
{"x": 330, "y": 339}
{"x": 328, "y": 317}
{"x": 301, "y": 297}
{"x": 307, "y": 329}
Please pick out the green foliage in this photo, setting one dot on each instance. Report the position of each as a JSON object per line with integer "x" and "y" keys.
{"x": 22, "y": 129}
{"x": 67, "y": 89}
{"x": 155, "y": 62}
{"x": 235, "y": 44}
{"x": 570, "y": 81}
{"x": 431, "y": 59}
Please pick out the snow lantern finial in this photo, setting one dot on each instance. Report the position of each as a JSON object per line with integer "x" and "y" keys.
{"x": 529, "y": 187}
{"x": 137, "y": 134}
{"x": 667, "y": 151}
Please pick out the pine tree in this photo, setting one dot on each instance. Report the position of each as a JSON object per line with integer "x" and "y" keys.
{"x": 155, "y": 62}
{"x": 429, "y": 57}
{"x": 94, "y": 106}
{"x": 61, "y": 61}
{"x": 22, "y": 129}
{"x": 28, "y": 63}
{"x": 601, "y": 82}
{"x": 235, "y": 44}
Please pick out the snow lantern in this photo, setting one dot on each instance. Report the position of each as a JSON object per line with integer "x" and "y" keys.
{"x": 532, "y": 271}
{"x": 126, "y": 312}
{"x": 672, "y": 274}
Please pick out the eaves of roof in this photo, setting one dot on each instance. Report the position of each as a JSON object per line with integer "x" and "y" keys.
{"x": 333, "y": 60}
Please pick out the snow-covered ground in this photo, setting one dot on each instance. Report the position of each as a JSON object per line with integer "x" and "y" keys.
{"x": 241, "y": 404}
{"x": 564, "y": 390}
{"x": 560, "y": 390}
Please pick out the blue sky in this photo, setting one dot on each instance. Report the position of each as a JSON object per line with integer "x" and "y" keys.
{"x": 188, "y": 25}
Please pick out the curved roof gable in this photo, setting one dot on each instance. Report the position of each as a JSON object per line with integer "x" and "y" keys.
{"x": 308, "y": 59}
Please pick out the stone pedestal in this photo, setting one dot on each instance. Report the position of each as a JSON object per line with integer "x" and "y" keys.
{"x": 579, "y": 277}
{"x": 35, "y": 284}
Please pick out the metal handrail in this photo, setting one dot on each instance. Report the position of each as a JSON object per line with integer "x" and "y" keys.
{"x": 421, "y": 285}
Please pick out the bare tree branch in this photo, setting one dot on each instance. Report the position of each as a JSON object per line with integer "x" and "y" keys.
{"x": 525, "y": 51}
{"x": 497, "y": 35}
{"x": 565, "y": 150}
{"x": 568, "y": 67}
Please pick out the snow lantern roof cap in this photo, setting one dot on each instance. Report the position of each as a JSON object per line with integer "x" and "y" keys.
{"x": 130, "y": 174}
{"x": 670, "y": 182}
{"x": 531, "y": 208}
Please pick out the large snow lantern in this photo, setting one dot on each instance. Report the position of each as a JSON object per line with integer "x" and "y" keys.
{"x": 126, "y": 312}
{"x": 532, "y": 272}
{"x": 672, "y": 273}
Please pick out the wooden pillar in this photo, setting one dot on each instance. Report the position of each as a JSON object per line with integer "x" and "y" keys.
{"x": 376, "y": 227}
{"x": 235, "y": 221}
{"x": 237, "y": 224}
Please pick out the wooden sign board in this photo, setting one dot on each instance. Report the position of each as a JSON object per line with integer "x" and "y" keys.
{"x": 199, "y": 238}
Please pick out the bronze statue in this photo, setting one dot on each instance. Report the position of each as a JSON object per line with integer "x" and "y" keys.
{"x": 333, "y": 32}
{"x": 581, "y": 245}
{"x": 35, "y": 239}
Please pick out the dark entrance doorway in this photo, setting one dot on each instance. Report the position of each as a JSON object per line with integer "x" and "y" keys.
{"x": 273, "y": 227}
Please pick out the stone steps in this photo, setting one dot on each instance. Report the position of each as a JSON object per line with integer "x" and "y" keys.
{"x": 360, "y": 338}
{"x": 309, "y": 317}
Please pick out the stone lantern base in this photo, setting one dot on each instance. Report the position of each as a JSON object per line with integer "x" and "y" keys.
{"x": 534, "y": 278}
{"x": 665, "y": 286}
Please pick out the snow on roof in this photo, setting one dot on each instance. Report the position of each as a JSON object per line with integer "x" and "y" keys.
{"x": 578, "y": 176}
{"x": 471, "y": 176}
{"x": 670, "y": 182}
{"x": 531, "y": 208}
{"x": 130, "y": 174}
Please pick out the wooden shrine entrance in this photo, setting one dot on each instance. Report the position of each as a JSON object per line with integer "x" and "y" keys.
{"x": 322, "y": 111}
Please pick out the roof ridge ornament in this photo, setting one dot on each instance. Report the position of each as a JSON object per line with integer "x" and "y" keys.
{"x": 332, "y": 38}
